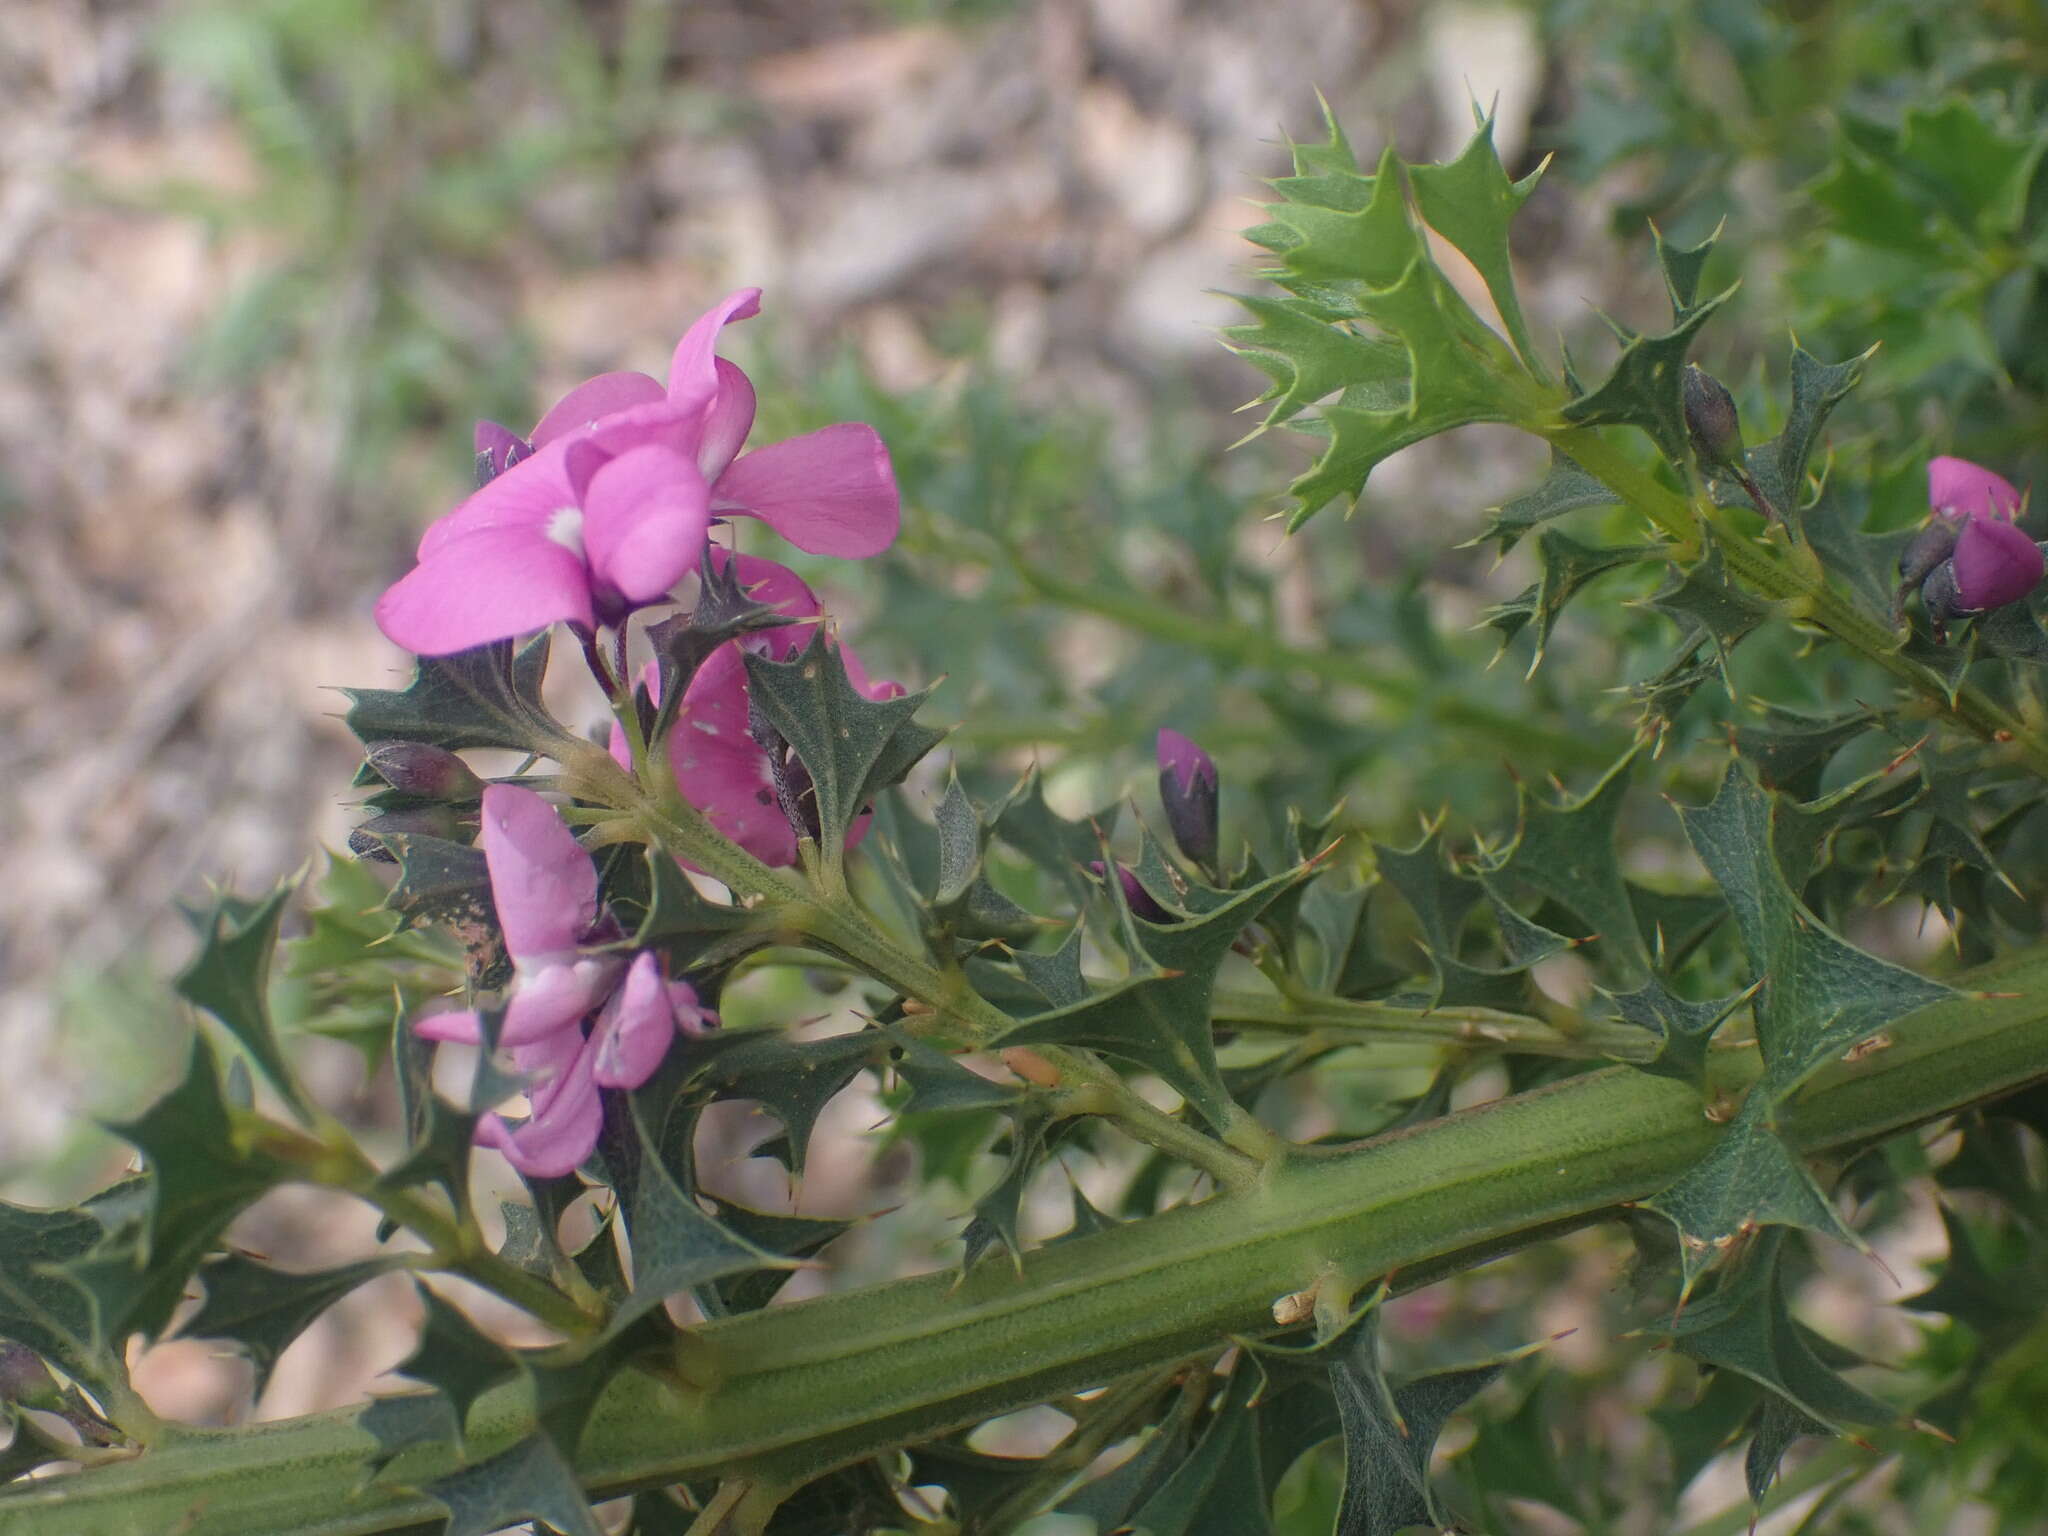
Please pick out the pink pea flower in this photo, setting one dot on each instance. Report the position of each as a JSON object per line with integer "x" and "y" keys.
{"x": 719, "y": 767}
{"x": 544, "y": 887}
{"x": 1958, "y": 488}
{"x": 604, "y": 509}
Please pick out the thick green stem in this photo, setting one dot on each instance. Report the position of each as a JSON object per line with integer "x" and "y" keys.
{"x": 789, "y": 1391}
{"x": 1774, "y": 572}
{"x": 1357, "y": 1022}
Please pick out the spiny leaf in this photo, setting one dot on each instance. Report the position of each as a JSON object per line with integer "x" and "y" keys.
{"x": 1684, "y": 1029}
{"x": 1219, "y": 1489}
{"x": 1644, "y": 388}
{"x": 963, "y": 900}
{"x": 1744, "y": 1325}
{"x": 1567, "y": 488}
{"x": 1310, "y": 358}
{"x": 1790, "y": 751}
{"x": 486, "y": 697}
{"x": 676, "y": 1247}
{"x": 1778, "y": 1424}
{"x": 41, "y": 1307}
{"x": 527, "y": 1481}
{"x": 1055, "y": 844}
{"x": 1056, "y": 977}
{"x": 441, "y": 882}
{"x": 455, "y": 1358}
{"x": 1470, "y": 202}
{"x": 995, "y": 1213}
{"x": 1389, "y": 1434}
{"x": 200, "y": 1179}
{"x": 937, "y": 1082}
{"x": 1779, "y": 466}
{"x": 852, "y": 746}
{"x": 1159, "y": 1018}
{"x": 682, "y": 643}
{"x": 1751, "y": 1179}
{"x": 1683, "y": 267}
{"x": 1568, "y": 566}
{"x": 1442, "y": 901}
{"x": 263, "y": 1308}
{"x": 649, "y": 890}
{"x": 1820, "y": 994}
{"x": 438, "y": 1136}
{"x": 797, "y": 1237}
{"x": 230, "y": 979}
{"x": 792, "y": 1079}
{"x": 1706, "y": 605}
{"x": 1565, "y": 850}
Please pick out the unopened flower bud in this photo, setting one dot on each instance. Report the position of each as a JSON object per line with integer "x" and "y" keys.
{"x": 419, "y": 768}
{"x": 1141, "y": 901}
{"x": 1188, "y": 789}
{"x": 1930, "y": 548}
{"x": 1710, "y": 420}
{"x": 367, "y": 841}
{"x": 1995, "y": 564}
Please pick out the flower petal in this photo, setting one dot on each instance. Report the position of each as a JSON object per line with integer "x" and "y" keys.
{"x": 487, "y": 585}
{"x": 645, "y": 515}
{"x": 1995, "y": 564}
{"x": 831, "y": 492}
{"x": 527, "y": 495}
{"x": 635, "y": 1029}
{"x": 692, "y": 1018}
{"x": 726, "y": 424}
{"x": 693, "y": 370}
{"x": 552, "y": 998}
{"x": 460, "y": 1028}
{"x": 556, "y": 1139}
{"x": 1956, "y": 487}
{"x": 721, "y": 769}
{"x": 542, "y": 882}
{"x": 593, "y": 400}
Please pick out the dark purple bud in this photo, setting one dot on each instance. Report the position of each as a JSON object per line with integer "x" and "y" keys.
{"x": 1938, "y": 594}
{"x": 1995, "y": 564}
{"x": 1710, "y": 419}
{"x": 1139, "y": 899}
{"x": 497, "y": 450}
{"x": 1930, "y": 548}
{"x": 367, "y": 841}
{"x": 1188, "y": 789}
{"x": 418, "y": 768}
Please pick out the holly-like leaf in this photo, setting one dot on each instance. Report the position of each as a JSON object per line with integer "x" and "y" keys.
{"x": 1684, "y": 1029}
{"x": 1744, "y": 1325}
{"x": 1159, "y": 1018}
{"x": 1779, "y": 466}
{"x": 1820, "y": 995}
{"x": 486, "y": 697}
{"x": 797, "y": 1237}
{"x": 1470, "y": 201}
{"x": 199, "y": 1180}
{"x": 1683, "y": 266}
{"x": 455, "y": 1358}
{"x": 1441, "y": 902}
{"x": 676, "y": 1247}
{"x": 1308, "y": 358}
{"x": 1389, "y": 1435}
{"x": 684, "y": 642}
{"x": 1567, "y": 488}
{"x": 963, "y": 900}
{"x": 41, "y": 1306}
{"x": 1790, "y": 751}
{"x": 1707, "y": 606}
{"x": 995, "y": 1213}
{"x": 1056, "y": 977}
{"x": 853, "y": 747}
{"x": 263, "y": 1308}
{"x": 1565, "y": 850}
{"x": 402, "y": 1421}
{"x": 1568, "y": 566}
{"x": 1055, "y": 844}
{"x": 937, "y": 1082}
{"x": 1751, "y": 1179}
{"x": 1218, "y": 1489}
{"x": 438, "y": 1136}
{"x": 792, "y": 1079}
{"x": 649, "y": 890}
{"x": 1778, "y": 1424}
{"x": 527, "y": 1481}
{"x": 230, "y": 979}
{"x": 1644, "y": 391}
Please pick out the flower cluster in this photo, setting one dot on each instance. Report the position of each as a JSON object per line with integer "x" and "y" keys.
{"x": 565, "y": 977}
{"x": 604, "y": 508}
{"x": 598, "y": 512}
{"x": 1971, "y": 557}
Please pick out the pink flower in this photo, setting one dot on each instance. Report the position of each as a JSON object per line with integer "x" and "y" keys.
{"x": 1958, "y": 488}
{"x": 544, "y": 887}
{"x": 719, "y": 767}
{"x": 605, "y": 508}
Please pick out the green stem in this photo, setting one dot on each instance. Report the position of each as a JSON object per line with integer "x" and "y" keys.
{"x": 1593, "y": 1038}
{"x": 1797, "y": 579}
{"x": 788, "y": 1392}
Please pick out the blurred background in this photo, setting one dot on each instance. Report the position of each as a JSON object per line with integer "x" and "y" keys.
{"x": 263, "y": 262}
